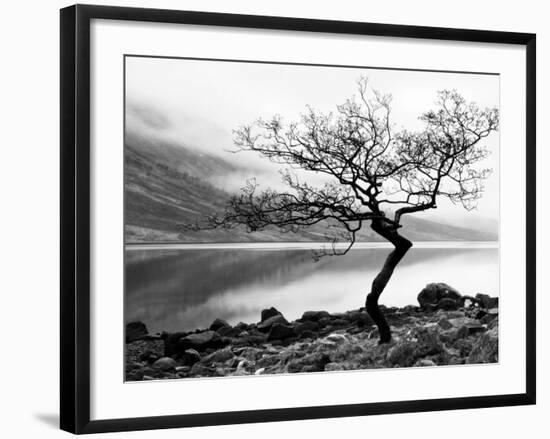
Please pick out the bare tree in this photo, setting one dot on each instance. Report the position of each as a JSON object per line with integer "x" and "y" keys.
{"x": 375, "y": 173}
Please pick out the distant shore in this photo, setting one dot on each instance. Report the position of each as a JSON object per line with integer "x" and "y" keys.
{"x": 446, "y": 329}
{"x": 304, "y": 245}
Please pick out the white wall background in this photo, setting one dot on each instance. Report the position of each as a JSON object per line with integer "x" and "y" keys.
{"x": 29, "y": 169}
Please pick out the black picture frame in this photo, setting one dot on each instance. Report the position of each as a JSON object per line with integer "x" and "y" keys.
{"x": 75, "y": 217}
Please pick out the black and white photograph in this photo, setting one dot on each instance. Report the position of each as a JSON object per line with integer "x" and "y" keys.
{"x": 293, "y": 218}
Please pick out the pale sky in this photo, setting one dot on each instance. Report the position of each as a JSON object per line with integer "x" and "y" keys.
{"x": 200, "y": 102}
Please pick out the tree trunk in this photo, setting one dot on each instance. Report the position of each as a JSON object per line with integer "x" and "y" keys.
{"x": 402, "y": 245}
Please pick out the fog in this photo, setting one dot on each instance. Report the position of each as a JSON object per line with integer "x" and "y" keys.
{"x": 199, "y": 103}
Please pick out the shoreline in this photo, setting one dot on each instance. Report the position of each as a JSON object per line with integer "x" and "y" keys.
{"x": 446, "y": 329}
{"x": 305, "y": 245}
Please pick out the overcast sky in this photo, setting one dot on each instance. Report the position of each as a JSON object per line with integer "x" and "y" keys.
{"x": 199, "y": 103}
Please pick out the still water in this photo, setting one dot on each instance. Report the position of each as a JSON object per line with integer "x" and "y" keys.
{"x": 184, "y": 287}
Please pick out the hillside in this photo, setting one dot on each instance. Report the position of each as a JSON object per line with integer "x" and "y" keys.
{"x": 167, "y": 184}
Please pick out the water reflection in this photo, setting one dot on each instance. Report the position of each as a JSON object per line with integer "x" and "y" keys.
{"x": 185, "y": 289}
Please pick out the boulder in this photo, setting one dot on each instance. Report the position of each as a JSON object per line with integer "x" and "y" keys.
{"x": 280, "y": 331}
{"x": 487, "y": 301}
{"x": 201, "y": 341}
{"x": 135, "y": 331}
{"x": 190, "y": 357}
{"x": 270, "y": 312}
{"x": 218, "y": 324}
{"x": 430, "y": 297}
{"x": 448, "y": 304}
{"x": 220, "y": 356}
{"x": 301, "y": 327}
{"x": 165, "y": 364}
{"x": 266, "y": 325}
{"x": 315, "y": 316}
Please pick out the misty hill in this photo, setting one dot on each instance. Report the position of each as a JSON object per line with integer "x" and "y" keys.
{"x": 167, "y": 184}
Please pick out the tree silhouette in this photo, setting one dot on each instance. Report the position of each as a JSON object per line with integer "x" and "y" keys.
{"x": 375, "y": 173}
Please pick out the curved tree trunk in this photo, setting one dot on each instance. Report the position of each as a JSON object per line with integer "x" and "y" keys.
{"x": 402, "y": 245}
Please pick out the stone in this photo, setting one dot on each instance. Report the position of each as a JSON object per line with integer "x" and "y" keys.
{"x": 165, "y": 364}
{"x": 218, "y": 324}
{"x": 280, "y": 331}
{"x": 201, "y": 370}
{"x": 333, "y": 367}
{"x": 336, "y": 338}
{"x": 201, "y": 341}
{"x": 313, "y": 362}
{"x": 172, "y": 343}
{"x": 228, "y": 331}
{"x": 149, "y": 356}
{"x": 260, "y": 371}
{"x": 315, "y": 316}
{"x": 218, "y": 356}
{"x": 301, "y": 327}
{"x": 448, "y": 304}
{"x": 406, "y": 352}
{"x": 266, "y": 325}
{"x": 431, "y": 295}
{"x": 135, "y": 331}
{"x": 488, "y": 318}
{"x": 485, "y": 349}
{"x": 270, "y": 312}
{"x": 444, "y": 323}
{"x": 190, "y": 357}
{"x": 309, "y": 334}
{"x": 487, "y": 301}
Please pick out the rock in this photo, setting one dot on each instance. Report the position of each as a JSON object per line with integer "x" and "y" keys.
{"x": 336, "y": 338}
{"x": 218, "y": 324}
{"x": 135, "y": 331}
{"x": 485, "y": 349}
{"x": 266, "y": 325}
{"x": 468, "y": 301}
{"x": 201, "y": 370}
{"x": 314, "y": 316}
{"x": 280, "y": 331}
{"x": 165, "y": 364}
{"x": 433, "y": 293}
{"x": 301, "y": 327}
{"x": 444, "y": 323}
{"x": 488, "y": 318}
{"x": 487, "y": 301}
{"x": 402, "y": 354}
{"x": 190, "y": 357}
{"x": 361, "y": 318}
{"x": 333, "y": 367}
{"x": 448, "y": 304}
{"x": 228, "y": 331}
{"x": 202, "y": 340}
{"x": 249, "y": 353}
{"x": 313, "y": 363}
{"x": 149, "y": 356}
{"x": 260, "y": 371}
{"x": 270, "y": 312}
{"x": 309, "y": 334}
{"x": 218, "y": 357}
{"x": 406, "y": 352}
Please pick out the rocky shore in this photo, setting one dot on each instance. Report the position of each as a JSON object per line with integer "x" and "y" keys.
{"x": 446, "y": 328}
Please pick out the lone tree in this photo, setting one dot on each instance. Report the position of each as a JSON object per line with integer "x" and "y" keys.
{"x": 375, "y": 174}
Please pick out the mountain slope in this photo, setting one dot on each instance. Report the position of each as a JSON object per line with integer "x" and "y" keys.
{"x": 167, "y": 185}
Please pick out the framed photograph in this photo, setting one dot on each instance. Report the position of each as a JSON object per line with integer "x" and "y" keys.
{"x": 273, "y": 218}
